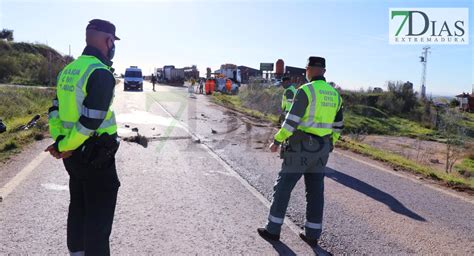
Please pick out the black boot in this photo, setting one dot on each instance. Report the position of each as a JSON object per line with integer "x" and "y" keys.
{"x": 313, "y": 242}
{"x": 267, "y": 235}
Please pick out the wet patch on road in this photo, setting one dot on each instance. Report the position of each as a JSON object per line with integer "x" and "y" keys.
{"x": 143, "y": 117}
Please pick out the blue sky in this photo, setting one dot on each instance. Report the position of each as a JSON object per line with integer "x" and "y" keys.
{"x": 352, "y": 35}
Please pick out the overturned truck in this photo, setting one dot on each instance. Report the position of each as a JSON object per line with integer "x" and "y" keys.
{"x": 176, "y": 76}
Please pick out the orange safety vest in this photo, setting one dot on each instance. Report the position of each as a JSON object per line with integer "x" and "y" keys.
{"x": 213, "y": 85}
{"x": 228, "y": 85}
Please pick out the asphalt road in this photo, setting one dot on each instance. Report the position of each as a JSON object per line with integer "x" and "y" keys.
{"x": 203, "y": 184}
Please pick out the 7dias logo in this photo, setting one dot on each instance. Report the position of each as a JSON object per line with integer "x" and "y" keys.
{"x": 428, "y": 26}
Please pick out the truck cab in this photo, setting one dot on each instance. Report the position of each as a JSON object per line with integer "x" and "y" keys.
{"x": 133, "y": 79}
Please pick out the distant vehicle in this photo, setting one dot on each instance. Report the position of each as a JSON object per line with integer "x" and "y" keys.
{"x": 172, "y": 75}
{"x": 228, "y": 73}
{"x": 133, "y": 79}
{"x": 276, "y": 82}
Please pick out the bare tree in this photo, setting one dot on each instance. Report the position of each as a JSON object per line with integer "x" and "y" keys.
{"x": 454, "y": 133}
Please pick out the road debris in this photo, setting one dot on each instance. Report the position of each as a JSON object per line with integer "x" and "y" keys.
{"x": 127, "y": 126}
{"x": 139, "y": 139}
{"x": 29, "y": 125}
{"x": 3, "y": 127}
{"x": 213, "y": 131}
{"x": 135, "y": 129}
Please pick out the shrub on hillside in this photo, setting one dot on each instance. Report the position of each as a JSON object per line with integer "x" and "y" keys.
{"x": 30, "y": 64}
{"x": 9, "y": 67}
{"x": 264, "y": 99}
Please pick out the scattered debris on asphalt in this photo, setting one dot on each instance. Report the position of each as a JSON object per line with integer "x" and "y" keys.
{"x": 127, "y": 126}
{"x": 143, "y": 140}
{"x": 135, "y": 129}
{"x": 213, "y": 131}
{"x": 139, "y": 139}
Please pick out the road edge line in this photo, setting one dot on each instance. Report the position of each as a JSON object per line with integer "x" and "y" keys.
{"x": 21, "y": 175}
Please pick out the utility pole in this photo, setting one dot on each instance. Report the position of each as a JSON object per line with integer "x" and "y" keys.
{"x": 424, "y": 60}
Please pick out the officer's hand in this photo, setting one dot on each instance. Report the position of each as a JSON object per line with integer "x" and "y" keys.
{"x": 52, "y": 151}
{"x": 274, "y": 147}
{"x": 65, "y": 154}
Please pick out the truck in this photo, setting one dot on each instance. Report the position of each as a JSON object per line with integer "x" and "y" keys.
{"x": 228, "y": 72}
{"x": 172, "y": 75}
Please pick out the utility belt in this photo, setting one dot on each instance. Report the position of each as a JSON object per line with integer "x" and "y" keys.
{"x": 298, "y": 137}
{"x": 99, "y": 150}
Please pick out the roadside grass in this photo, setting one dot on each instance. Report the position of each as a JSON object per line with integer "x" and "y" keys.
{"x": 466, "y": 167}
{"x": 353, "y": 122}
{"x": 235, "y": 103}
{"x": 374, "y": 125}
{"x": 468, "y": 123}
{"x": 453, "y": 179}
{"x": 18, "y": 106}
{"x": 390, "y": 125}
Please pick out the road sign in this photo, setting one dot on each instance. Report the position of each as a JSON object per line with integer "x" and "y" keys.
{"x": 266, "y": 66}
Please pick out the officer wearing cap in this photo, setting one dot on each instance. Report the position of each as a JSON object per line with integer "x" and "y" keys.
{"x": 312, "y": 126}
{"x": 287, "y": 99}
{"x": 83, "y": 127}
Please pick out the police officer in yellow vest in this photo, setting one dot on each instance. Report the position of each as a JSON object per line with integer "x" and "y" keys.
{"x": 287, "y": 99}
{"x": 85, "y": 132}
{"x": 312, "y": 126}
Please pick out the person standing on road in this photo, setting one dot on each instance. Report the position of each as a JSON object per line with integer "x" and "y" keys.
{"x": 191, "y": 88}
{"x": 201, "y": 86}
{"x": 85, "y": 132}
{"x": 287, "y": 99}
{"x": 153, "y": 81}
{"x": 312, "y": 126}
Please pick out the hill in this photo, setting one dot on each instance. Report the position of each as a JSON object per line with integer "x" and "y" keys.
{"x": 30, "y": 63}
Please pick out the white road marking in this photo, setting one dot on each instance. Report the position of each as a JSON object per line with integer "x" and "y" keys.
{"x": 295, "y": 228}
{"x": 20, "y": 176}
{"x": 407, "y": 177}
{"x": 52, "y": 186}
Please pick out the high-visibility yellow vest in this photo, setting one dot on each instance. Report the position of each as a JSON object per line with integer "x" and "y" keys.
{"x": 323, "y": 104}
{"x": 71, "y": 92}
{"x": 287, "y": 103}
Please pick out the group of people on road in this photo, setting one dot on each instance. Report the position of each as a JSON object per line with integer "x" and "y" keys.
{"x": 83, "y": 127}
{"x": 193, "y": 88}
